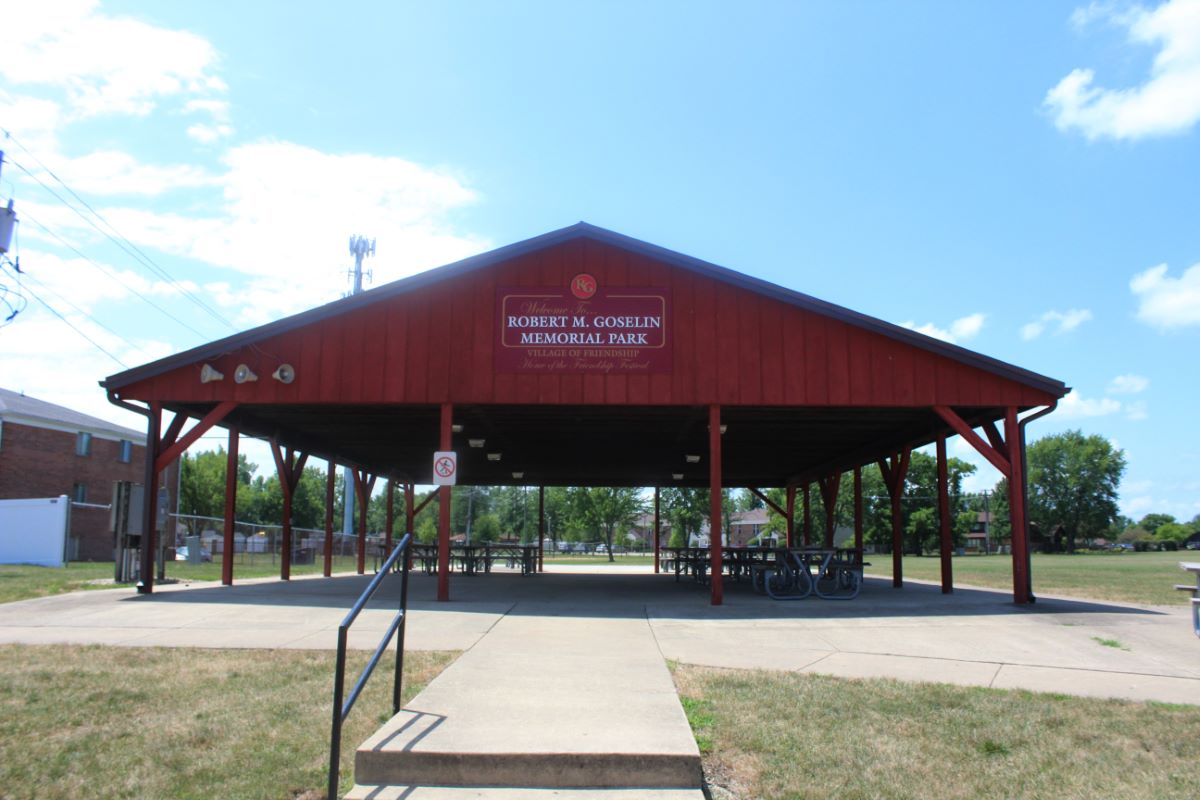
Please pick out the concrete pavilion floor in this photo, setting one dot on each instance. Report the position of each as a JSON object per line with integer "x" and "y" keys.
{"x": 974, "y": 637}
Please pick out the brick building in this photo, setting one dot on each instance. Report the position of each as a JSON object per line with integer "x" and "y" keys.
{"x": 48, "y": 450}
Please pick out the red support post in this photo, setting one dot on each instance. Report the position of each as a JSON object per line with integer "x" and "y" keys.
{"x": 1016, "y": 505}
{"x": 231, "y": 482}
{"x": 829, "y": 492}
{"x": 150, "y": 500}
{"x": 390, "y": 521}
{"x": 943, "y": 492}
{"x": 807, "y": 503}
{"x": 791, "y": 515}
{"x": 363, "y": 485}
{"x": 443, "y": 581}
{"x": 716, "y": 566}
{"x": 657, "y": 533}
{"x": 893, "y": 476}
{"x": 858, "y": 510}
{"x": 541, "y": 529}
{"x": 290, "y": 469}
{"x": 330, "y": 477}
{"x": 409, "y": 510}
{"x": 409, "y": 514}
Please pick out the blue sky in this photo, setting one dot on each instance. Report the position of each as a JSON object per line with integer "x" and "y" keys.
{"x": 1018, "y": 177}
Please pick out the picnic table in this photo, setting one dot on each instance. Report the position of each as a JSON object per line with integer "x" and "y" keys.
{"x": 472, "y": 559}
{"x": 829, "y": 573}
{"x": 736, "y": 562}
{"x": 1194, "y": 568}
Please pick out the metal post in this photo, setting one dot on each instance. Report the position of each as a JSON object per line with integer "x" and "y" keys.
{"x": 330, "y": 478}
{"x": 541, "y": 529}
{"x": 858, "y": 509}
{"x": 443, "y": 582}
{"x": 791, "y": 515}
{"x": 231, "y": 482}
{"x": 895, "y": 490}
{"x": 714, "y": 483}
{"x": 943, "y": 491}
{"x": 390, "y": 521}
{"x": 807, "y": 505}
{"x": 657, "y": 546}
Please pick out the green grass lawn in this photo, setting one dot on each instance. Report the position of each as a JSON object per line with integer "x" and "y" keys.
{"x": 116, "y": 722}
{"x": 22, "y": 581}
{"x": 783, "y": 736}
{"x": 599, "y": 560}
{"x": 1147, "y": 578}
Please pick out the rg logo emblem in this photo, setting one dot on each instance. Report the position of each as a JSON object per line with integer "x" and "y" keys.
{"x": 583, "y": 286}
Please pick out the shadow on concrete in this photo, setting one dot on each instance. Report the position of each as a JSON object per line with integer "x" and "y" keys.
{"x": 601, "y": 595}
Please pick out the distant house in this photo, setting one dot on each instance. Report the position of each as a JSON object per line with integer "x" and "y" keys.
{"x": 641, "y": 535}
{"x": 747, "y": 527}
{"x": 47, "y": 450}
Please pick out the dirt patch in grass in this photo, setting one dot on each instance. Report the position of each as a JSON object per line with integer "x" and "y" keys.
{"x": 774, "y": 735}
{"x": 84, "y": 722}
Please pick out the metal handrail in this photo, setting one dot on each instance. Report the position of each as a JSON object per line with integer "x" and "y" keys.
{"x": 342, "y": 705}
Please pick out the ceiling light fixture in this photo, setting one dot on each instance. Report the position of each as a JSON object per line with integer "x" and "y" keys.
{"x": 518, "y": 475}
{"x": 692, "y": 459}
{"x": 476, "y": 443}
{"x": 494, "y": 456}
{"x": 677, "y": 476}
{"x": 456, "y": 428}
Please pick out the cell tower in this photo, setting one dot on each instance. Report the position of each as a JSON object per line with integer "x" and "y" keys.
{"x": 360, "y": 248}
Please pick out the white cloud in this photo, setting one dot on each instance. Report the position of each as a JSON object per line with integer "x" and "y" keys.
{"x": 1136, "y": 411}
{"x": 1167, "y": 102}
{"x": 1076, "y": 406}
{"x": 1063, "y": 321}
{"x": 1128, "y": 384}
{"x": 109, "y": 172}
{"x": 207, "y": 134}
{"x": 103, "y": 64}
{"x": 1165, "y": 302}
{"x": 960, "y": 329}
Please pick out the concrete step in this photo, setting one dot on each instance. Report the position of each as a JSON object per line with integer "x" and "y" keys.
{"x": 550, "y": 702}
{"x": 360, "y": 792}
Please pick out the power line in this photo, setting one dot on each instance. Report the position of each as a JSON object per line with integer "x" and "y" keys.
{"x": 111, "y": 275}
{"x": 94, "y": 321}
{"x": 112, "y": 233}
{"x": 92, "y": 341}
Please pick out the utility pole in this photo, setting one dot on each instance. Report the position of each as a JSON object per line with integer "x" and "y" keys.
{"x": 360, "y": 248}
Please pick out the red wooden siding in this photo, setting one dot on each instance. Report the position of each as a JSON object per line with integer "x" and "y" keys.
{"x": 729, "y": 346}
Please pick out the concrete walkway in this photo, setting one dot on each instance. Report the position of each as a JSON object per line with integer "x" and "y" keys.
{"x": 973, "y": 637}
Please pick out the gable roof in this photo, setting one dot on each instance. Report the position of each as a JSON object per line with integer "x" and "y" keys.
{"x": 583, "y": 230}
{"x": 14, "y": 405}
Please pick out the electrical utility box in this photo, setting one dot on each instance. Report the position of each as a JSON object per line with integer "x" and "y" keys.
{"x": 125, "y": 520}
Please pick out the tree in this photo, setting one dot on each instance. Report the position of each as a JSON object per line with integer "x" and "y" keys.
{"x": 202, "y": 484}
{"x": 605, "y": 508}
{"x": 1073, "y": 482}
{"x": 1152, "y": 522}
{"x": 687, "y": 509}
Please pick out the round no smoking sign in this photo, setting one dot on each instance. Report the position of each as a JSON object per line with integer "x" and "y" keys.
{"x": 445, "y": 468}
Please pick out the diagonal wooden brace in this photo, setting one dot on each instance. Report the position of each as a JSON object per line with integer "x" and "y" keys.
{"x": 960, "y": 427}
{"x": 174, "y": 450}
